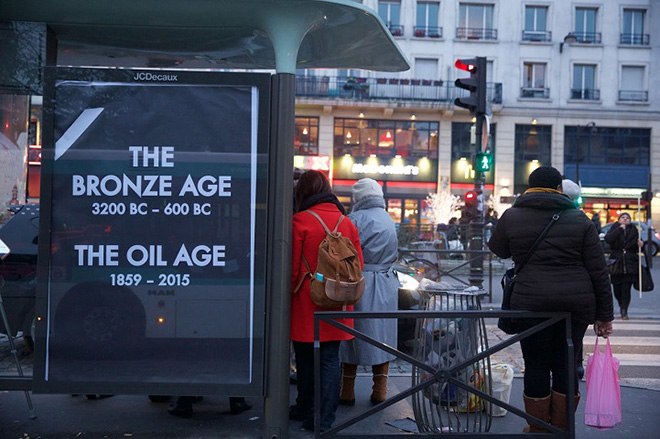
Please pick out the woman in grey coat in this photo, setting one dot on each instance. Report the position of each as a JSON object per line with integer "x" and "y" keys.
{"x": 380, "y": 247}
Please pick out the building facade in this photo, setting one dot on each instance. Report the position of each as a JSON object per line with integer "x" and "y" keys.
{"x": 570, "y": 84}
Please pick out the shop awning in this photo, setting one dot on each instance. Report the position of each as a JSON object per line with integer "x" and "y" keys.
{"x": 256, "y": 34}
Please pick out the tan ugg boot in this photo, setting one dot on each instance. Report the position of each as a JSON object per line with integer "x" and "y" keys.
{"x": 539, "y": 408}
{"x": 348, "y": 373}
{"x": 558, "y": 409}
{"x": 380, "y": 372}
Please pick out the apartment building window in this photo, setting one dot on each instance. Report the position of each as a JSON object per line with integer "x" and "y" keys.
{"x": 585, "y": 26}
{"x": 426, "y": 22}
{"x": 611, "y": 146}
{"x": 584, "y": 82}
{"x": 533, "y": 144}
{"x": 306, "y": 137}
{"x": 385, "y": 138}
{"x": 633, "y": 28}
{"x": 475, "y": 22}
{"x": 390, "y": 12}
{"x": 536, "y": 24}
{"x": 534, "y": 81}
{"x": 632, "y": 85}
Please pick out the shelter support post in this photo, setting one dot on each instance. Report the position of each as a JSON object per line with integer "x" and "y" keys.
{"x": 276, "y": 403}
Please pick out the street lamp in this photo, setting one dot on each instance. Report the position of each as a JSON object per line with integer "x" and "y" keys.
{"x": 568, "y": 39}
{"x": 578, "y": 147}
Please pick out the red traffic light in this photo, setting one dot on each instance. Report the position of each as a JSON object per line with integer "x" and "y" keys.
{"x": 470, "y": 195}
{"x": 467, "y": 65}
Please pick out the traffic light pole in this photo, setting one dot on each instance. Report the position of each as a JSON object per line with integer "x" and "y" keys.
{"x": 476, "y": 226}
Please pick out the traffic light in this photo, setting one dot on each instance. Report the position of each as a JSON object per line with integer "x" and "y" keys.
{"x": 579, "y": 201}
{"x": 483, "y": 162}
{"x": 475, "y": 84}
{"x": 471, "y": 201}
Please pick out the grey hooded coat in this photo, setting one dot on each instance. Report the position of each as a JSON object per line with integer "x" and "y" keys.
{"x": 380, "y": 248}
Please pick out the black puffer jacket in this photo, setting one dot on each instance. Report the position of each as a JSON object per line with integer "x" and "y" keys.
{"x": 567, "y": 271}
{"x": 619, "y": 240}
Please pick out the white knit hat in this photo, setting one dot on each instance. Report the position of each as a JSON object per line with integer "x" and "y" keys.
{"x": 366, "y": 187}
{"x": 570, "y": 188}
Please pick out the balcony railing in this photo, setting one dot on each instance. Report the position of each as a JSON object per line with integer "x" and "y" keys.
{"x": 586, "y": 94}
{"x": 535, "y": 92}
{"x": 537, "y": 35}
{"x": 396, "y": 30}
{"x": 587, "y": 37}
{"x": 475, "y": 33}
{"x": 427, "y": 32}
{"x": 633, "y": 96}
{"x": 635, "y": 39}
{"x": 354, "y": 88}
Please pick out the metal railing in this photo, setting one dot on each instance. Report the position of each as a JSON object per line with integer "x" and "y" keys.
{"x": 635, "y": 39}
{"x": 537, "y": 35}
{"x": 586, "y": 94}
{"x": 475, "y": 33}
{"x": 357, "y": 88}
{"x": 396, "y": 30}
{"x": 448, "y": 263}
{"x": 440, "y": 374}
{"x": 587, "y": 37}
{"x": 633, "y": 95}
{"x": 534, "y": 92}
{"x": 427, "y": 32}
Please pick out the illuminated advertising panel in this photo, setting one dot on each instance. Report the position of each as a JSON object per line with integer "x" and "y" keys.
{"x": 155, "y": 217}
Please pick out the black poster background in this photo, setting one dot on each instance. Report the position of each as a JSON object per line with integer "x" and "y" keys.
{"x": 198, "y": 322}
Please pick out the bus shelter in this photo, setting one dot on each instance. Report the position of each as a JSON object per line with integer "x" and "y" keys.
{"x": 165, "y": 224}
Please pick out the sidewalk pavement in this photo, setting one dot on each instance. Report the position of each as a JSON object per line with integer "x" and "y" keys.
{"x": 130, "y": 416}
{"x": 135, "y": 417}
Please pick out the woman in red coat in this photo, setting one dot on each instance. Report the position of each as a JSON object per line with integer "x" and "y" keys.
{"x": 313, "y": 192}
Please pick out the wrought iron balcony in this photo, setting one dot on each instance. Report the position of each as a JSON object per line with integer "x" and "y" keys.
{"x": 397, "y": 89}
{"x": 587, "y": 37}
{"x": 475, "y": 33}
{"x": 586, "y": 94}
{"x": 534, "y": 92}
{"x": 427, "y": 32}
{"x": 537, "y": 35}
{"x": 635, "y": 39}
{"x": 633, "y": 96}
{"x": 396, "y": 30}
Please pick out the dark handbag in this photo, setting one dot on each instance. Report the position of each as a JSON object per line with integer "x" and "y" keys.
{"x": 616, "y": 265}
{"x": 506, "y": 324}
{"x": 647, "y": 280}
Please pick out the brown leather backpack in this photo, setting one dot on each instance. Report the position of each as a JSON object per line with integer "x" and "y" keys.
{"x": 338, "y": 280}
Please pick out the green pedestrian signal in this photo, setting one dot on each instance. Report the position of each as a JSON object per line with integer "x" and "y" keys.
{"x": 483, "y": 162}
{"x": 579, "y": 200}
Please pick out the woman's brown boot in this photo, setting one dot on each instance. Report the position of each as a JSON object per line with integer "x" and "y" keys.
{"x": 347, "y": 395}
{"x": 539, "y": 408}
{"x": 380, "y": 372}
{"x": 558, "y": 409}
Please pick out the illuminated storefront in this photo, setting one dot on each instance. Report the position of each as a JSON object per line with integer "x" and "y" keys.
{"x": 400, "y": 154}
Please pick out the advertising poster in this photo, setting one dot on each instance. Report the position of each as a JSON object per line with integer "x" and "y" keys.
{"x": 157, "y": 232}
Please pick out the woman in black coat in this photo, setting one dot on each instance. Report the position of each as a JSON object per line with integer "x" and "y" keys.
{"x": 624, "y": 242}
{"x": 566, "y": 272}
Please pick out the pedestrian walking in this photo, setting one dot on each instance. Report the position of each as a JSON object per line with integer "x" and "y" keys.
{"x": 624, "y": 242}
{"x": 379, "y": 248}
{"x": 566, "y": 272}
{"x": 313, "y": 192}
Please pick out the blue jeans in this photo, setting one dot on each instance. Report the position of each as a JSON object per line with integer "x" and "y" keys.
{"x": 330, "y": 380}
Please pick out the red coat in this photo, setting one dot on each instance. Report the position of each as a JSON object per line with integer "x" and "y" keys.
{"x": 307, "y": 236}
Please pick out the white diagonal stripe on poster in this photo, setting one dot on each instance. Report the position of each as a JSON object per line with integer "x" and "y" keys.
{"x": 77, "y": 128}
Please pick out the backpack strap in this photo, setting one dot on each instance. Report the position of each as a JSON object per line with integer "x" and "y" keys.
{"x": 327, "y": 230}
